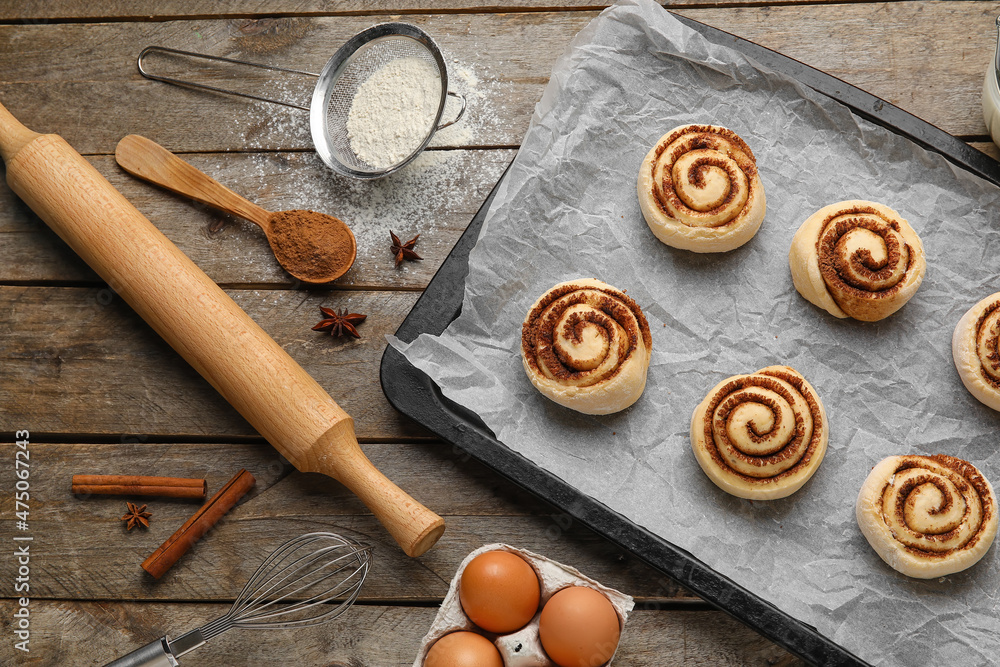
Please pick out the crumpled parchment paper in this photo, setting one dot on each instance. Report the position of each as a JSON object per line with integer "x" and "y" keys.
{"x": 568, "y": 209}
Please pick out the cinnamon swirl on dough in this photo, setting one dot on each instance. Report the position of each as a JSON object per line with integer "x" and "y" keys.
{"x": 974, "y": 347}
{"x": 760, "y": 436}
{"x": 586, "y": 346}
{"x": 927, "y": 516}
{"x": 699, "y": 189}
{"x": 857, "y": 259}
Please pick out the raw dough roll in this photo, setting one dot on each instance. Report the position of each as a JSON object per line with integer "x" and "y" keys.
{"x": 760, "y": 436}
{"x": 857, "y": 259}
{"x": 974, "y": 349}
{"x": 927, "y": 516}
{"x": 699, "y": 189}
{"x": 586, "y": 346}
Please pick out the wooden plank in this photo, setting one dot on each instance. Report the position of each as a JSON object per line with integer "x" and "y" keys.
{"x": 927, "y": 58}
{"x": 499, "y": 62}
{"x": 79, "y": 360}
{"x": 987, "y": 147}
{"x": 93, "y": 633}
{"x": 82, "y": 550}
{"x": 921, "y": 53}
{"x": 436, "y": 196}
{"x": 41, "y": 10}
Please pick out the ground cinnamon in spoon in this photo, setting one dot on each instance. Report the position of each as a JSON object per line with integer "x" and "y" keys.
{"x": 312, "y": 246}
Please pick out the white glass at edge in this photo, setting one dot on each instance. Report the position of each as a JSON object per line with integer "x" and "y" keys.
{"x": 991, "y": 97}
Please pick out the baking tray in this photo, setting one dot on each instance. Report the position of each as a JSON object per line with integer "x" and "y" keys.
{"x": 414, "y": 394}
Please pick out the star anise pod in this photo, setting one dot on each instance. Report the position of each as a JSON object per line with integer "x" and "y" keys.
{"x": 337, "y": 323}
{"x": 404, "y": 250}
{"x": 135, "y": 516}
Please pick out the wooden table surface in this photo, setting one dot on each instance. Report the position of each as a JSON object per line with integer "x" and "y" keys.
{"x": 100, "y": 392}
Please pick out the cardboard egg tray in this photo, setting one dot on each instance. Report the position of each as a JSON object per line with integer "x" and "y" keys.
{"x": 522, "y": 648}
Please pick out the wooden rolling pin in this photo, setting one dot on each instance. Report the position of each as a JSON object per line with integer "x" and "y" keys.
{"x": 203, "y": 324}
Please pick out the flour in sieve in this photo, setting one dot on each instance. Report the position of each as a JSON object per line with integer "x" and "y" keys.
{"x": 393, "y": 111}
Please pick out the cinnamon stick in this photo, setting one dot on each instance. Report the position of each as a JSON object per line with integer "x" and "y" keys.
{"x": 136, "y": 485}
{"x": 178, "y": 544}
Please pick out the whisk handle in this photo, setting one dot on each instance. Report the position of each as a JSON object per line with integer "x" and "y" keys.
{"x": 153, "y": 654}
{"x": 161, "y": 653}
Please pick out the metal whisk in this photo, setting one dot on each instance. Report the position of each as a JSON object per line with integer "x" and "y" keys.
{"x": 308, "y": 580}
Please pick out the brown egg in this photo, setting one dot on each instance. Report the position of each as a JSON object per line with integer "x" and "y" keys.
{"x": 579, "y": 628}
{"x": 499, "y": 591}
{"x": 463, "y": 649}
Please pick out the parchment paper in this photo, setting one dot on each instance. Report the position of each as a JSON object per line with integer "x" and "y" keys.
{"x": 568, "y": 209}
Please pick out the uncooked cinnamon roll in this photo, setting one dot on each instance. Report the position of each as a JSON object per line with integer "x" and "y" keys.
{"x": 974, "y": 347}
{"x": 586, "y": 346}
{"x": 857, "y": 259}
{"x": 760, "y": 436}
{"x": 699, "y": 189}
{"x": 927, "y": 516}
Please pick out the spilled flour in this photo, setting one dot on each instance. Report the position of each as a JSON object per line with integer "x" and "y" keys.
{"x": 407, "y": 202}
{"x": 393, "y": 111}
{"x": 490, "y": 117}
{"x": 436, "y": 195}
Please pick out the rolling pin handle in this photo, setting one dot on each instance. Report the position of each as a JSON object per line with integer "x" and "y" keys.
{"x": 13, "y": 135}
{"x": 338, "y": 454}
{"x": 414, "y": 527}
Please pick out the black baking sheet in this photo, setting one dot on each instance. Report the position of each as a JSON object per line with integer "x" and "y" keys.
{"x": 416, "y": 395}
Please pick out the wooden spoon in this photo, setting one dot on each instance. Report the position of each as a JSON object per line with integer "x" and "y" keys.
{"x": 313, "y": 247}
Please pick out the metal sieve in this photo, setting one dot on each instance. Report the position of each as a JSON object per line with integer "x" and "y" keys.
{"x": 338, "y": 84}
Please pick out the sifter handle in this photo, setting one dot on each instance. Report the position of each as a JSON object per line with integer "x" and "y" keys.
{"x": 203, "y": 324}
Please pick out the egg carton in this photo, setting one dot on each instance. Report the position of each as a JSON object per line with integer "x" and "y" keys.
{"x": 522, "y": 648}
